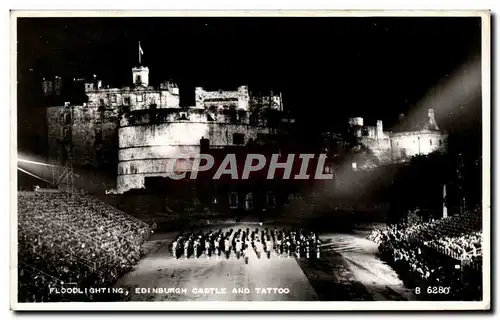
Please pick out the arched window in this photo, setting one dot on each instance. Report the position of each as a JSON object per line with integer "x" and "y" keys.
{"x": 233, "y": 200}
{"x": 138, "y": 78}
{"x": 430, "y": 142}
{"x": 271, "y": 199}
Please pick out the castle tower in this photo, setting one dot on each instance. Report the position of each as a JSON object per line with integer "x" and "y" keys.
{"x": 199, "y": 93}
{"x": 172, "y": 87}
{"x": 140, "y": 76}
{"x": 432, "y": 124}
{"x": 355, "y": 126}
{"x": 243, "y": 97}
{"x": 380, "y": 129}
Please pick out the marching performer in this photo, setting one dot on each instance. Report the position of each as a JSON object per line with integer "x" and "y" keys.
{"x": 279, "y": 247}
{"x": 308, "y": 248}
{"x": 258, "y": 248}
{"x": 207, "y": 248}
{"x": 288, "y": 247}
{"x": 227, "y": 247}
{"x": 318, "y": 251}
{"x": 238, "y": 248}
{"x": 245, "y": 253}
{"x": 217, "y": 247}
{"x": 186, "y": 249}
{"x": 196, "y": 248}
{"x": 269, "y": 247}
{"x": 297, "y": 249}
{"x": 174, "y": 248}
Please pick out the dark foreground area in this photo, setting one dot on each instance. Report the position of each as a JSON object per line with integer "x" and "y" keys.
{"x": 78, "y": 242}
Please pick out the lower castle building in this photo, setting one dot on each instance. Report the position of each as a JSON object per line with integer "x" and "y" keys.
{"x": 401, "y": 144}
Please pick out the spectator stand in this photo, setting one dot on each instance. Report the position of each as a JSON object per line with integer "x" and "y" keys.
{"x": 444, "y": 252}
{"x": 71, "y": 238}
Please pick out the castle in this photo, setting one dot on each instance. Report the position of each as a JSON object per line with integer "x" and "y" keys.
{"x": 135, "y": 129}
{"x": 400, "y": 145}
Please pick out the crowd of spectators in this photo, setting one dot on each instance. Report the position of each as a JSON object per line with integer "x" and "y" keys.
{"x": 73, "y": 240}
{"x": 443, "y": 253}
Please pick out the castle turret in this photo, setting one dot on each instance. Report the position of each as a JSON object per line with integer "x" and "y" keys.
{"x": 140, "y": 76}
{"x": 355, "y": 126}
{"x": 431, "y": 124}
{"x": 380, "y": 129}
{"x": 93, "y": 84}
{"x": 243, "y": 97}
{"x": 199, "y": 96}
{"x": 171, "y": 86}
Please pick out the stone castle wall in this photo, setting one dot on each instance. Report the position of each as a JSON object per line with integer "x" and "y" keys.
{"x": 94, "y": 135}
{"x": 134, "y": 130}
{"x": 388, "y": 146}
{"x": 136, "y": 144}
{"x": 146, "y": 144}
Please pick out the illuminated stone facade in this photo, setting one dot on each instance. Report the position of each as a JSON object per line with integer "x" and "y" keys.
{"x": 400, "y": 146}
{"x": 137, "y": 129}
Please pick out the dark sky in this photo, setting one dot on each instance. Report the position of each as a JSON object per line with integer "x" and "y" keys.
{"x": 327, "y": 68}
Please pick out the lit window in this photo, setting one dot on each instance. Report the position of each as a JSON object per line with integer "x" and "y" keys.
{"x": 139, "y": 98}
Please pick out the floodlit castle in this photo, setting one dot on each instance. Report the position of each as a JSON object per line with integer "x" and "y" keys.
{"x": 136, "y": 128}
{"x": 420, "y": 138}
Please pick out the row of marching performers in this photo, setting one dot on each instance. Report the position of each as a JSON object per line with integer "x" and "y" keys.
{"x": 285, "y": 243}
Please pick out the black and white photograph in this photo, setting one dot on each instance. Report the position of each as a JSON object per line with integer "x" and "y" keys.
{"x": 236, "y": 160}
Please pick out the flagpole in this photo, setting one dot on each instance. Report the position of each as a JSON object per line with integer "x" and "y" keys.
{"x": 139, "y": 53}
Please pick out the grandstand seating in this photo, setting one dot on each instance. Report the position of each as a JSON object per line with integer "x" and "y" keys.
{"x": 73, "y": 238}
{"x": 433, "y": 250}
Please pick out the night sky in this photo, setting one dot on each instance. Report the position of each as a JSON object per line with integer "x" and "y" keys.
{"x": 327, "y": 68}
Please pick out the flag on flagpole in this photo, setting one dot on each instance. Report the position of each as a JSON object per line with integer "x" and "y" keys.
{"x": 140, "y": 52}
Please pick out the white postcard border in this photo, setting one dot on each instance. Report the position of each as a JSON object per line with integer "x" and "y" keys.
{"x": 256, "y": 305}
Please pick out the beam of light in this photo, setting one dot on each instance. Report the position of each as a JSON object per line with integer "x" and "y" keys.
{"x": 452, "y": 96}
{"x": 36, "y": 162}
{"x": 33, "y": 175}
